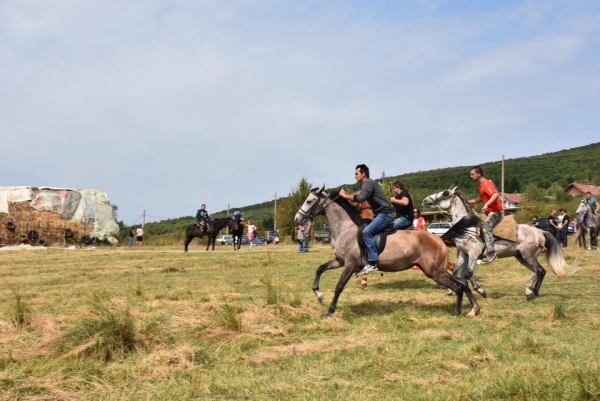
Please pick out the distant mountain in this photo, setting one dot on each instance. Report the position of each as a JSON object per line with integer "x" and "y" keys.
{"x": 580, "y": 164}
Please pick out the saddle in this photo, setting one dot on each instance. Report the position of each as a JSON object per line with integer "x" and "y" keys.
{"x": 507, "y": 229}
{"x": 380, "y": 239}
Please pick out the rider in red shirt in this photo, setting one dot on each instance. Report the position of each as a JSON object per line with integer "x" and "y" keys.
{"x": 492, "y": 206}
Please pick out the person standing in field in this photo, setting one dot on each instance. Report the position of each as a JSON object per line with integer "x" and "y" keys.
{"x": 563, "y": 228}
{"x": 140, "y": 236}
{"x": 300, "y": 238}
{"x": 553, "y": 223}
{"x": 418, "y": 222}
{"x": 492, "y": 207}
{"x": 307, "y": 227}
{"x": 251, "y": 231}
{"x": 130, "y": 237}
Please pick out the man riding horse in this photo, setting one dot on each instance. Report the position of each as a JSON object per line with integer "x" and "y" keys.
{"x": 492, "y": 206}
{"x": 371, "y": 192}
{"x": 203, "y": 218}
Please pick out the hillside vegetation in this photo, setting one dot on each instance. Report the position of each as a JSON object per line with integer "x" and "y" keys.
{"x": 541, "y": 178}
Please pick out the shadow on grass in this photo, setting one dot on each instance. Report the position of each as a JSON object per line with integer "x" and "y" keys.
{"x": 404, "y": 284}
{"x": 373, "y": 308}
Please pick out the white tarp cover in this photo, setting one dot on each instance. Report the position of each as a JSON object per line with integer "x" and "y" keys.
{"x": 13, "y": 194}
{"x": 90, "y": 207}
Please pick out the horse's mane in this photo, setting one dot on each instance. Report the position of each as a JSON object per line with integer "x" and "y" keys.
{"x": 348, "y": 208}
{"x": 465, "y": 201}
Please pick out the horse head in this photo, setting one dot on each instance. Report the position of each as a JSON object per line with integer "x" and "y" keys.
{"x": 232, "y": 224}
{"x": 312, "y": 206}
{"x": 442, "y": 200}
{"x": 583, "y": 208}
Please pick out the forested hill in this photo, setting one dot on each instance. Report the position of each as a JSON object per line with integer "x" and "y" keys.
{"x": 561, "y": 168}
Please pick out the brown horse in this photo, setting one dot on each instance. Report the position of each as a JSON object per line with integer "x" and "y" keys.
{"x": 404, "y": 249}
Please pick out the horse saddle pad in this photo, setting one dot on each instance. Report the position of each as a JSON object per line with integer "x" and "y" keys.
{"x": 508, "y": 228}
{"x": 380, "y": 240}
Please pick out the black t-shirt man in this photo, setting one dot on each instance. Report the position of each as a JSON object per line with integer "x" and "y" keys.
{"x": 406, "y": 210}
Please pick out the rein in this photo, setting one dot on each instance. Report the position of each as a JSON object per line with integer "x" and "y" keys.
{"x": 310, "y": 214}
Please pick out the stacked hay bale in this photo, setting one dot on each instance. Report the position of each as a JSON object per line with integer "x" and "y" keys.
{"x": 25, "y": 222}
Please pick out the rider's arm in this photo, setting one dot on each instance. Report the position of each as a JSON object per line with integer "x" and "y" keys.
{"x": 475, "y": 201}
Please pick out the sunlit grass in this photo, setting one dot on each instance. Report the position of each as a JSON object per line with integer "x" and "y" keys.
{"x": 157, "y": 323}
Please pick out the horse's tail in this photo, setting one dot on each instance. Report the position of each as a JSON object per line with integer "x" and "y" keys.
{"x": 555, "y": 257}
{"x": 461, "y": 230}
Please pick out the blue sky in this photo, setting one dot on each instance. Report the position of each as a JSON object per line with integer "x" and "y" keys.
{"x": 166, "y": 105}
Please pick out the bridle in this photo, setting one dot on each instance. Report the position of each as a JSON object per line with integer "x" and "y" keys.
{"x": 313, "y": 211}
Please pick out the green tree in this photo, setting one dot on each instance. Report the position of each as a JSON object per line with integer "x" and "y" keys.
{"x": 290, "y": 206}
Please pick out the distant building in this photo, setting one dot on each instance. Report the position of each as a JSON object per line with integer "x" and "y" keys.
{"x": 575, "y": 189}
{"x": 511, "y": 201}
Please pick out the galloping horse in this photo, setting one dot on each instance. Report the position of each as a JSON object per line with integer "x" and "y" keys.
{"x": 588, "y": 222}
{"x": 214, "y": 226}
{"x": 404, "y": 249}
{"x": 530, "y": 242}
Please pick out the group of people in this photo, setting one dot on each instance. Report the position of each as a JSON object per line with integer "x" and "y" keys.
{"x": 138, "y": 234}
{"x": 559, "y": 225}
{"x": 402, "y": 203}
{"x": 204, "y": 218}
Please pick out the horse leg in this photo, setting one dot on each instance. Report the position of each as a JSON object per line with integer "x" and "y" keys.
{"x": 533, "y": 286}
{"x": 460, "y": 287}
{"x": 346, "y": 275}
{"x": 332, "y": 264}
{"x": 467, "y": 273}
{"x": 188, "y": 239}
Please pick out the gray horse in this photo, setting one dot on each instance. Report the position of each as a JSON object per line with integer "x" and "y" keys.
{"x": 530, "y": 243}
{"x": 589, "y": 224}
{"x": 404, "y": 249}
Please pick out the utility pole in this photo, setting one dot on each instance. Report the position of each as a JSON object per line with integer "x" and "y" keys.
{"x": 143, "y": 219}
{"x": 275, "y": 214}
{"x": 502, "y": 197}
{"x": 228, "y": 210}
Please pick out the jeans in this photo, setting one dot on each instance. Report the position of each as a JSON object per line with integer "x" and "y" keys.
{"x": 401, "y": 223}
{"x": 493, "y": 219}
{"x": 300, "y": 245}
{"x": 379, "y": 223}
{"x": 563, "y": 237}
{"x": 129, "y": 241}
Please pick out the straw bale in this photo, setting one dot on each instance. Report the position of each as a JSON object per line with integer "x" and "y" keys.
{"x": 49, "y": 226}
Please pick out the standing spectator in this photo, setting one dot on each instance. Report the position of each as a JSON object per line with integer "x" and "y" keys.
{"x": 140, "y": 236}
{"x": 553, "y": 223}
{"x": 492, "y": 207}
{"x": 593, "y": 202}
{"x": 130, "y": 237}
{"x": 307, "y": 227}
{"x": 403, "y": 205}
{"x": 535, "y": 222}
{"x": 563, "y": 228}
{"x": 418, "y": 220}
{"x": 251, "y": 232}
{"x": 300, "y": 238}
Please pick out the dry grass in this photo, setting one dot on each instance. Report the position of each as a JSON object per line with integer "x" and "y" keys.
{"x": 246, "y": 325}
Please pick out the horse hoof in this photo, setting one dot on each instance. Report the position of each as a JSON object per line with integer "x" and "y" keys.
{"x": 482, "y": 292}
{"x": 320, "y": 297}
{"x": 530, "y": 297}
{"x": 474, "y": 312}
{"x": 449, "y": 293}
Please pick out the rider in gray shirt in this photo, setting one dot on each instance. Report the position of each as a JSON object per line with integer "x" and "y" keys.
{"x": 371, "y": 192}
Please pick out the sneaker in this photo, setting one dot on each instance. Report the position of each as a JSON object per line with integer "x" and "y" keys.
{"x": 367, "y": 269}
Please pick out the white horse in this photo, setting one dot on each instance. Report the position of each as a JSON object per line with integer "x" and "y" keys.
{"x": 588, "y": 222}
{"x": 530, "y": 243}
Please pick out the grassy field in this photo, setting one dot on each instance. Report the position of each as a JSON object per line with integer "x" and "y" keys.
{"x": 155, "y": 323}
